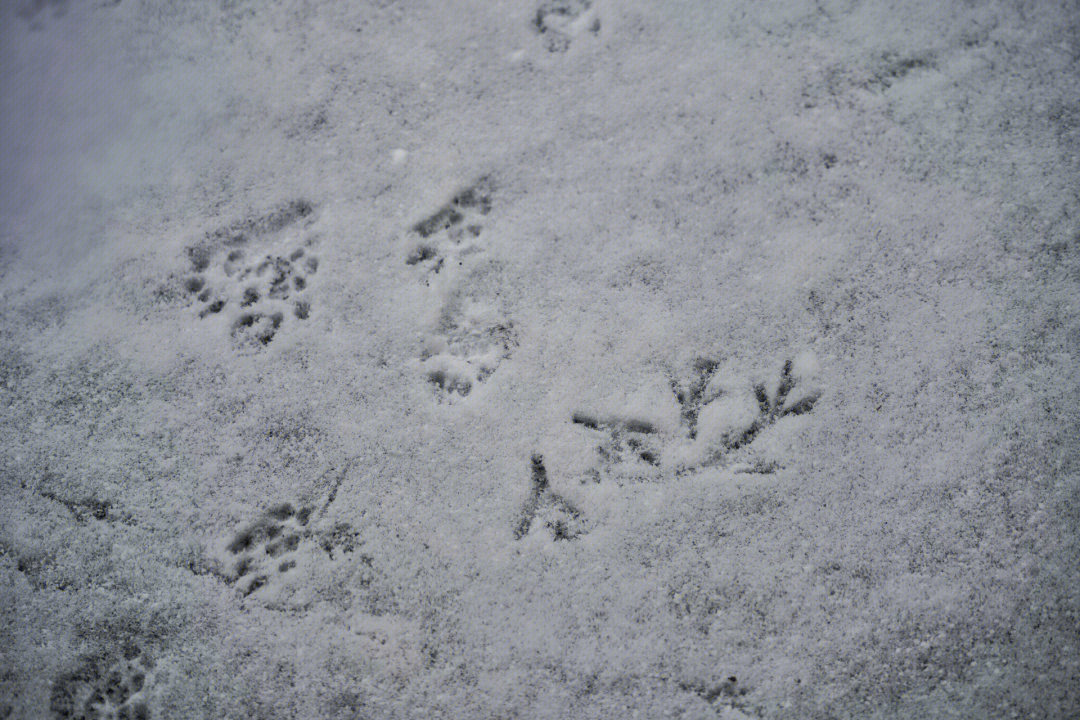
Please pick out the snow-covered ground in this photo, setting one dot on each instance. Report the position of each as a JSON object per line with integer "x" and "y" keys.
{"x": 540, "y": 359}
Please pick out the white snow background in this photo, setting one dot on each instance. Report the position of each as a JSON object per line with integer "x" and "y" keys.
{"x": 540, "y": 359}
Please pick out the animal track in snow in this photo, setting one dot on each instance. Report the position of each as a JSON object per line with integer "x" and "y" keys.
{"x": 466, "y": 347}
{"x": 255, "y": 277}
{"x": 628, "y": 448}
{"x": 470, "y": 337}
{"x": 727, "y": 436}
{"x": 690, "y": 394}
{"x": 726, "y": 694}
{"x": 559, "y": 22}
{"x": 547, "y": 509}
{"x": 120, "y": 692}
{"x": 717, "y": 420}
{"x": 452, "y": 232}
{"x": 891, "y": 68}
{"x": 276, "y": 552}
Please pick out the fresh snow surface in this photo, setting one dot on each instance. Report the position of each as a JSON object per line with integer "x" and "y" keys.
{"x": 540, "y": 359}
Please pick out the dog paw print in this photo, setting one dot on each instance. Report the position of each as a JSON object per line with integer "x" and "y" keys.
{"x": 273, "y": 552}
{"x": 628, "y": 448}
{"x": 119, "y": 692}
{"x": 251, "y": 274}
{"x": 452, "y": 232}
{"x": 547, "y": 509}
{"x": 558, "y": 22}
{"x": 471, "y": 337}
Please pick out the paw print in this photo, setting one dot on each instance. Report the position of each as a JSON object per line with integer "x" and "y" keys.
{"x": 727, "y": 693}
{"x": 121, "y": 691}
{"x": 465, "y": 350}
{"x": 558, "y": 22}
{"x": 275, "y": 551}
{"x": 267, "y": 546}
{"x": 547, "y": 509}
{"x": 471, "y": 337}
{"x": 452, "y": 232}
{"x": 246, "y": 271}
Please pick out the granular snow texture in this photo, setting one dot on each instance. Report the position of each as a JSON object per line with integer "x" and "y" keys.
{"x": 540, "y": 359}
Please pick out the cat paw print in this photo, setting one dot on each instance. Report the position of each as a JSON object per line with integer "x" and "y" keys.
{"x": 254, "y": 274}
{"x": 274, "y": 555}
{"x": 628, "y": 448}
{"x": 559, "y": 22}
{"x": 99, "y": 689}
{"x": 548, "y": 510}
{"x": 451, "y": 233}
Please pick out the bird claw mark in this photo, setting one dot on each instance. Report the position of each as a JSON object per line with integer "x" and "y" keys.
{"x": 691, "y": 395}
{"x": 122, "y": 690}
{"x": 628, "y": 450}
{"x": 544, "y": 506}
{"x": 265, "y": 286}
{"x": 631, "y": 449}
{"x": 558, "y": 22}
{"x": 770, "y": 410}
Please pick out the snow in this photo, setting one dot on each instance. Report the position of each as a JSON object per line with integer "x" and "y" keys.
{"x": 613, "y": 359}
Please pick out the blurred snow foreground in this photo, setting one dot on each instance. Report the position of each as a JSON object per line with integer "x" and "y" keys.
{"x": 539, "y": 359}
